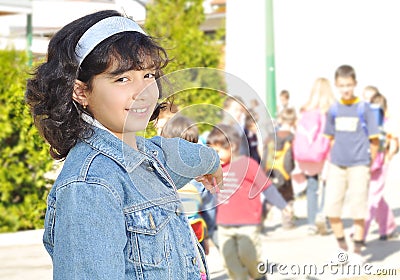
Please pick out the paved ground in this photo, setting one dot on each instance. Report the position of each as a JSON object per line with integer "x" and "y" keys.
{"x": 22, "y": 255}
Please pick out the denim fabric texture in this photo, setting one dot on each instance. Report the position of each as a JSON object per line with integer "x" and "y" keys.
{"x": 113, "y": 212}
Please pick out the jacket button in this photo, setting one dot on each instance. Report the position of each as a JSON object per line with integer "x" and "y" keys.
{"x": 150, "y": 169}
{"x": 194, "y": 260}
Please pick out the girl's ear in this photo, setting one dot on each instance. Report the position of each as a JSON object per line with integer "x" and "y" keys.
{"x": 80, "y": 93}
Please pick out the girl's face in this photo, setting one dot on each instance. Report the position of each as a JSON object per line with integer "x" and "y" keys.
{"x": 367, "y": 94}
{"x": 123, "y": 102}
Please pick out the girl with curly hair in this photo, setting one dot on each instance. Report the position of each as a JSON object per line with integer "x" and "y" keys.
{"x": 113, "y": 212}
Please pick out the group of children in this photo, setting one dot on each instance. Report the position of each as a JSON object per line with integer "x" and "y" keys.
{"x": 342, "y": 170}
{"x": 355, "y": 162}
{"x": 238, "y": 208}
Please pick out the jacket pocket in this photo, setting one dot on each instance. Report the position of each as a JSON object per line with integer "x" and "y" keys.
{"x": 148, "y": 235}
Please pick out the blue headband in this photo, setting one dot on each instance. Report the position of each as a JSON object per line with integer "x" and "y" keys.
{"x": 102, "y": 30}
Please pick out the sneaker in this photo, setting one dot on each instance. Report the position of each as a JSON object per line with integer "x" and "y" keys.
{"x": 312, "y": 230}
{"x": 320, "y": 223}
{"x": 393, "y": 235}
{"x": 356, "y": 259}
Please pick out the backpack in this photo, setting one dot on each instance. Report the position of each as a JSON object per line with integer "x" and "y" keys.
{"x": 191, "y": 200}
{"x": 280, "y": 163}
{"x": 379, "y": 116}
{"x": 360, "y": 112}
{"x": 309, "y": 143}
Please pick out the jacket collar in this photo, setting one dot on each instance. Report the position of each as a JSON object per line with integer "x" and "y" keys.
{"x": 108, "y": 144}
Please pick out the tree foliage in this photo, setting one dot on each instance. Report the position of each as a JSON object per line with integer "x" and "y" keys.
{"x": 24, "y": 157}
{"x": 177, "y": 24}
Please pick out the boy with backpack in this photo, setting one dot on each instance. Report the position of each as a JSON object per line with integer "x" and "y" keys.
{"x": 353, "y": 130}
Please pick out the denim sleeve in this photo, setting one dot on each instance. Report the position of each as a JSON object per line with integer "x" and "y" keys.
{"x": 185, "y": 160}
{"x": 89, "y": 233}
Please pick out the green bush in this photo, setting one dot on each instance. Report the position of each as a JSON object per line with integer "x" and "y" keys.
{"x": 177, "y": 24}
{"x": 24, "y": 156}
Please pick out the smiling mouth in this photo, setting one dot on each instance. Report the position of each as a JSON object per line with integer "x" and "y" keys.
{"x": 138, "y": 110}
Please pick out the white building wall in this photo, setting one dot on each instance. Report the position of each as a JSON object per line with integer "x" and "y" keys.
{"x": 54, "y": 15}
{"x": 246, "y": 46}
{"x": 314, "y": 37}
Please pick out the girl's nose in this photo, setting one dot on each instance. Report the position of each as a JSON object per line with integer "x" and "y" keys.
{"x": 145, "y": 90}
{"x": 139, "y": 89}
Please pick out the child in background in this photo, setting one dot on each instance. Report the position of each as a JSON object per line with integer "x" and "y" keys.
{"x": 311, "y": 149}
{"x": 378, "y": 209}
{"x": 284, "y": 103}
{"x": 234, "y": 114}
{"x": 284, "y": 100}
{"x": 239, "y": 207}
{"x": 199, "y": 204}
{"x": 114, "y": 212}
{"x": 368, "y": 92}
{"x": 251, "y": 130}
{"x": 354, "y": 148}
{"x": 166, "y": 113}
{"x": 281, "y": 162}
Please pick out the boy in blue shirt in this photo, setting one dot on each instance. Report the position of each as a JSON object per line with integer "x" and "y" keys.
{"x": 354, "y": 132}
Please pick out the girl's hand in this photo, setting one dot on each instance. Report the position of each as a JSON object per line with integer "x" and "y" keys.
{"x": 212, "y": 182}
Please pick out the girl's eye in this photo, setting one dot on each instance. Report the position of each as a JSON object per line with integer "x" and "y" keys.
{"x": 150, "y": 75}
{"x": 122, "y": 79}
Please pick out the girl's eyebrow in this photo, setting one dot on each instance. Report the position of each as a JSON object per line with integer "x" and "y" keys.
{"x": 118, "y": 71}
{"x": 109, "y": 75}
{"x": 115, "y": 72}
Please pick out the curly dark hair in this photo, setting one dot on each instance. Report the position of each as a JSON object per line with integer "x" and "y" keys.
{"x": 49, "y": 91}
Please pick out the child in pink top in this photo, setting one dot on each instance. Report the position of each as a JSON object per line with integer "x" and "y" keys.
{"x": 378, "y": 209}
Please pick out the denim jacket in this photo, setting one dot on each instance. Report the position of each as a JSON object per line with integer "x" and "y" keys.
{"x": 113, "y": 212}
